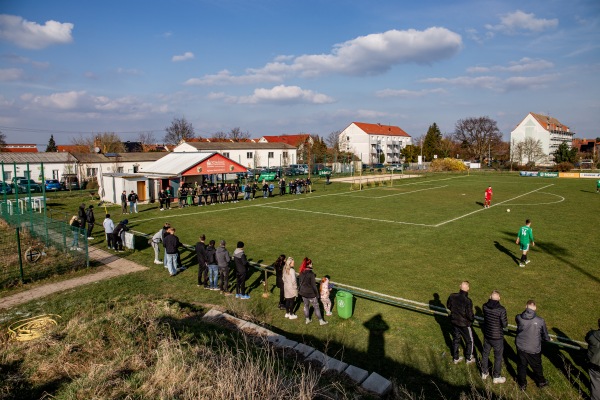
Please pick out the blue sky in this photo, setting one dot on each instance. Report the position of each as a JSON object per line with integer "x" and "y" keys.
{"x": 72, "y": 68}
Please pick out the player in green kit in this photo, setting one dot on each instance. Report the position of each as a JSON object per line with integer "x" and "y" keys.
{"x": 598, "y": 186}
{"x": 524, "y": 239}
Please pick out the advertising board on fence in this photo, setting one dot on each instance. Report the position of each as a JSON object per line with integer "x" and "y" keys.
{"x": 528, "y": 173}
{"x": 592, "y": 175}
{"x": 548, "y": 174}
{"x": 568, "y": 174}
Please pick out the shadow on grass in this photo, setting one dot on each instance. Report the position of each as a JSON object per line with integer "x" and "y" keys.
{"x": 570, "y": 362}
{"x": 442, "y": 320}
{"x": 561, "y": 254}
{"x": 506, "y": 251}
{"x": 13, "y": 386}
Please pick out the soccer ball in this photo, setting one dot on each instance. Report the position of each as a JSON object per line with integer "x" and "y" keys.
{"x": 508, "y": 210}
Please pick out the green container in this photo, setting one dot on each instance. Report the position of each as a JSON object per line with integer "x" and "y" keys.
{"x": 343, "y": 302}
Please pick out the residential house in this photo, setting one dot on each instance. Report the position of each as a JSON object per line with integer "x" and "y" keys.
{"x": 374, "y": 143}
{"x": 248, "y": 154}
{"x": 20, "y": 148}
{"x": 300, "y": 142}
{"x": 54, "y": 165}
{"x": 548, "y": 130}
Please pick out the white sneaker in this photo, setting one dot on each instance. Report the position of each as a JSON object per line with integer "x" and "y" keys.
{"x": 470, "y": 360}
{"x": 521, "y": 265}
{"x": 499, "y": 379}
{"x": 323, "y": 322}
{"x": 484, "y": 376}
{"x": 287, "y": 315}
{"x": 293, "y": 316}
{"x": 90, "y": 238}
{"x": 459, "y": 359}
{"x": 329, "y": 314}
{"x": 157, "y": 262}
{"x": 527, "y": 261}
{"x": 308, "y": 321}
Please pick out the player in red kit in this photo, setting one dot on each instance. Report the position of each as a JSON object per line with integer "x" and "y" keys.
{"x": 487, "y": 197}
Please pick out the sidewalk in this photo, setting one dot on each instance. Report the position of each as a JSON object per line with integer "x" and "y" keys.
{"x": 116, "y": 266}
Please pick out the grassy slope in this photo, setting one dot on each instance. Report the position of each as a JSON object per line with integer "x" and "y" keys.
{"x": 403, "y": 260}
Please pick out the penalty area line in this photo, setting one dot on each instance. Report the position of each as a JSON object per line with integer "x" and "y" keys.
{"x": 347, "y": 216}
{"x": 495, "y": 205}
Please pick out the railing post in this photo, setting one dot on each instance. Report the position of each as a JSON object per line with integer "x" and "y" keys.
{"x": 20, "y": 255}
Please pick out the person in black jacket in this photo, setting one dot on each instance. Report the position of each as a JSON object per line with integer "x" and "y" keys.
{"x": 202, "y": 263}
{"x": 495, "y": 318}
{"x": 278, "y": 265}
{"x": 593, "y": 354}
{"x": 124, "y": 202}
{"x": 310, "y": 294}
{"x": 241, "y": 271}
{"x": 81, "y": 215}
{"x": 213, "y": 267}
{"x": 91, "y": 221}
{"x": 461, "y": 317}
{"x": 531, "y": 330}
{"x": 171, "y": 243}
{"x": 118, "y": 235}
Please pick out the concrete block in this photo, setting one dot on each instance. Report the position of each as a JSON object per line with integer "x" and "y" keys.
{"x": 233, "y": 320}
{"x": 318, "y": 356}
{"x": 358, "y": 375}
{"x": 304, "y": 349}
{"x": 274, "y": 339}
{"x": 212, "y": 314}
{"x": 285, "y": 343}
{"x": 377, "y": 384}
{"x": 332, "y": 364}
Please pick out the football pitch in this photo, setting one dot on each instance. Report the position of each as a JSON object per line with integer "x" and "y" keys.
{"x": 425, "y": 235}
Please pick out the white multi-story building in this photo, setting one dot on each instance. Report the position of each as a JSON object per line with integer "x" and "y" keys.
{"x": 548, "y": 130}
{"x": 370, "y": 141}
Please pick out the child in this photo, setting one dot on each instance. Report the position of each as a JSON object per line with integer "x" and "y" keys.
{"x": 325, "y": 290}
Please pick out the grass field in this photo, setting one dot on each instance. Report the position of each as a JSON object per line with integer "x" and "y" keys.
{"x": 418, "y": 240}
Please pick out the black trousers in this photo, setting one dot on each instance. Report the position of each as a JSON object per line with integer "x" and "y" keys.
{"x": 224, "y": 278}
{"x": 498, "y": 346}
{"x": 202, "y": 275}
{"x": 535, "y": 361}
{"x": 90, "y": 227}
{"x": 240, "y": 281}
{"x": 289, "y": 305}
{"x": 110, "y": 241}
{"x": 466, "y": 333}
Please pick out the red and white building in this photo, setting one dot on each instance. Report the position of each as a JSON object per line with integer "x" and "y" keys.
{"x": 370, "y": 141}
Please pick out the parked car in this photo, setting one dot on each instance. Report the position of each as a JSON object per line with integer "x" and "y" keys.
{"x": 292, "y": 172}
{"x": 378, "y": 167}
{"x": 69, "y": 182}
{"x": 5, "y": 188}
{"x": 53, "y": 185}
{"x": 394, "y": 167}
{"x": 22, "y": 185}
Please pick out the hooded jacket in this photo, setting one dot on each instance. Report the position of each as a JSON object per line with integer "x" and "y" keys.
{"x": 531, "y": 330}
{"x": 223, "y": 257}
{"x": 495, "y": 320}
{"x": 593, "y": 340}
{"x": 171, "y": 243}
{"x": 461, "y": 309}
{"x": 241, "y": 262}
{"x": 201, "y": 254}
{"x": 210, "y": 255}
{"x": 81, "y": 215}
{"x": 308, "y": 284}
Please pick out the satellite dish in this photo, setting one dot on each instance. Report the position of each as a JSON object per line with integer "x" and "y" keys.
{"x": 96, "y": 149}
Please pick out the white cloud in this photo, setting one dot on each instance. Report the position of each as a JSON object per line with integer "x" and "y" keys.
{"x": 10, "y": 74}
{"x": 407, "y": 93}
{"x": 277, "y": 95}
{"x": 129, "y": 71}
{"x": 31, "y": 35}
{"x": 497, "y": 84}
{"x": 188, "y": 55}
{"x": 525, "y": 64}
{"x": 520, "y": 21}
{"x": 372, "y": 54}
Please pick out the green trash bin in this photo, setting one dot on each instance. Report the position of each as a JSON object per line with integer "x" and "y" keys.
{"x": 343, "y": 302}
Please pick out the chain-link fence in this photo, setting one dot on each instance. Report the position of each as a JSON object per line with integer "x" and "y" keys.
{"x": 33, "y": 246}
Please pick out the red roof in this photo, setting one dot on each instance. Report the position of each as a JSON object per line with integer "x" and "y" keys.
{"x": 549, "y": 123}
{"x": 378, "y": 129}
{"x": 293, "y": 140}
{"x": 72, "y": 148}
{"x": 20, "y": 148}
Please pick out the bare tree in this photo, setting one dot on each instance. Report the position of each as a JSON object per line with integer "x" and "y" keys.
{"x": 107, "y": 142}
{"x": 447, "y": 147}
{"x": 516, "y": 152}
{"x": 2, "y": 141}
{"x": 477, "y": 135}
{"x": 179, "y": 130}
{"x": 219, "y": 135}
{"x": 532, "y": 149}
{"x": 146, "y": 139}
{"x": 236, "y": 135}
{"x": 333, "y": 140}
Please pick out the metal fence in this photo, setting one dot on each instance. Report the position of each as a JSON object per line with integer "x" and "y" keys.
{"x": 33, "y": 246}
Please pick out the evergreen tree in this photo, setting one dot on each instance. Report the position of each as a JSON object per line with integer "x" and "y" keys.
{"x": 432, "y": 142}
{"x": 565, "y": 153}
{"x": 51, "y": 148}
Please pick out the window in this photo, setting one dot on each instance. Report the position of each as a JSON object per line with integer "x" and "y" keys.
{"x": 271, "y": 155}
{"x": 92, "y": 172}
{"x": 120, "y": 169}
{"x": 249, "y": 155}
{"x": 7, "y": 175}
{"x": 226, "y": 154}
{"x": 285, "y": 154}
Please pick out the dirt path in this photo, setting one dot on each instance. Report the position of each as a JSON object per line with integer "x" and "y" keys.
{"x": 116, "y": 266}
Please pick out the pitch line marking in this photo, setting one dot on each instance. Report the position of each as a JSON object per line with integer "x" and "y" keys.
{"x": 539, "y": 204}
{"x": 345, "y": 216}
{"x": 495, "y": 205}
{"x": 400, "y": 194}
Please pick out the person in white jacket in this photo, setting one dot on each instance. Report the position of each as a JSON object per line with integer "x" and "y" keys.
{"x": 109, "y": 227}
{"x": 290, "y": 288}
